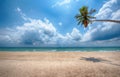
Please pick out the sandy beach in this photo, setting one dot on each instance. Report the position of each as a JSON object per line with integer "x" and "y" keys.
{"x": 59, "y": 64}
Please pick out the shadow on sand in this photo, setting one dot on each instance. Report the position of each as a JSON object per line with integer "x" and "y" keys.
{"x": 93, "y": 59}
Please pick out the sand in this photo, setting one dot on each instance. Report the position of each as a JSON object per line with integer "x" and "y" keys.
{"x": 59, "y": 64}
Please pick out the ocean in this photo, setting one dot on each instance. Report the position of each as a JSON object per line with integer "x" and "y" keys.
{"x": 60, "y": 49}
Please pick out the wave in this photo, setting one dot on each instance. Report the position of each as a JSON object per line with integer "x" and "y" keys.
{"x": 61, "y": 49}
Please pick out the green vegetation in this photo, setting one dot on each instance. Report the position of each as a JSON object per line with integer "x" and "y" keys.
{"x": 84, "y": 17}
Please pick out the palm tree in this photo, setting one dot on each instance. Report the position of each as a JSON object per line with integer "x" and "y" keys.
{"x": 84, "y": 17}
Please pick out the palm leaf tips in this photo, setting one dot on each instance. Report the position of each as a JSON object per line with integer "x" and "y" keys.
{"x": 84, "y": 17}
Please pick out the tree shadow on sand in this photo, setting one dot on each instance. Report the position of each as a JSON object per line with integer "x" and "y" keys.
{"x": 93, "y": 59}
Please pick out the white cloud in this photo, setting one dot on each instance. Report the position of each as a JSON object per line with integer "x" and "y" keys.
{"x": 76, "y": 0}
{"x": 76, "y": 35}
{"x": 18, "y": 9}
{"x": 60, "y": 23}
{"x": 60, "y": 3}
{"x": 106, "y": 9}
{"x": 43, "y": 32}
{"x": 22, "y": 14}
{"x": 106, "y": 30}
{"x": 116, "y": 15}
{"x": 38, "y": 32}
{"x": 63, "y": 2}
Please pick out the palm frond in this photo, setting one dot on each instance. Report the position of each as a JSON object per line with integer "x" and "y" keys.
{"x": 92, "y": 11}
{"x": 84, "y": 10}
{"x": 84, "y": 16}
{"x": 78, "y": 16}
{"x": 91, "y": 17}
{"x": 79, "y": 22}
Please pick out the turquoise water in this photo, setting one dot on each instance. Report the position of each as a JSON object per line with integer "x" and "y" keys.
{"x": 59, "y": 49}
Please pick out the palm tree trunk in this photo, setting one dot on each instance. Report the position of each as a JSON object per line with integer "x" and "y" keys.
{"x": 116, "y": 21}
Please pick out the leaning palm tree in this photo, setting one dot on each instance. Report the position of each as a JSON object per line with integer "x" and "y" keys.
{"x": 84, "y": 17}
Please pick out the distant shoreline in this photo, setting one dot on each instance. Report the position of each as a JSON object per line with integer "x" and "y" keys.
{"x": 61, "y": 49}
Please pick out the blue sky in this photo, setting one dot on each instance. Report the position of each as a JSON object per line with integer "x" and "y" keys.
{"x": 52, "y": 23}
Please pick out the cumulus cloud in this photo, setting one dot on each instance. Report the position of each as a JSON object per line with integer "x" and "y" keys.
{"x": 76, "y": 35}
{"x": 106, "y": 9}
{"x": 37, "y": 33}
{"x": 106, "y": 30}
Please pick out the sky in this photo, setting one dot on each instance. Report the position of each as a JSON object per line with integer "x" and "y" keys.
{"x": 52, "y": 23}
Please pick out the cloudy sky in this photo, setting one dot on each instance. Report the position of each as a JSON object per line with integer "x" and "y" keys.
{"x": 47, "y": 23}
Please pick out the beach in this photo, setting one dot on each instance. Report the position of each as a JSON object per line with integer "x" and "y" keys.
{"x": 59, "y": 64}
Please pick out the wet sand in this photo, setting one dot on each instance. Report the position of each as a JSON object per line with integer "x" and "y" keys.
{"x": 59, "y": 64}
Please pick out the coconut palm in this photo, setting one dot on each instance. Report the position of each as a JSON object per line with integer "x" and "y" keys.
{"x": 84, "y": 17}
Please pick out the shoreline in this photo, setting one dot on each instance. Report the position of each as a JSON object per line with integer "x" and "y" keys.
{"x": 62, "y": 51}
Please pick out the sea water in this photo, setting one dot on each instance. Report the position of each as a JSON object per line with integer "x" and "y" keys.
{"x": 61, "y": 49}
